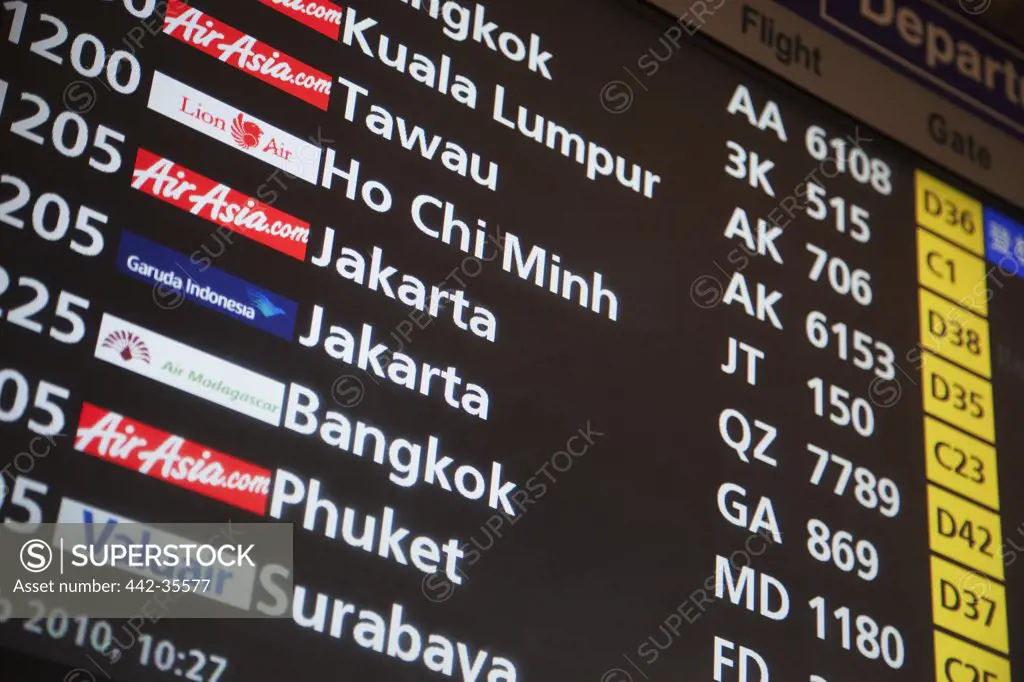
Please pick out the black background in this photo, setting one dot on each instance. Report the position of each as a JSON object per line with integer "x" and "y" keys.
{"x": 621, "y": 539}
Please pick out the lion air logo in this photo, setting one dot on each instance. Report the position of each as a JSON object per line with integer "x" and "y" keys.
{"x": 246, "y": 133}
{"x": 127, "y": 345}
{"x": 235, "y": 128}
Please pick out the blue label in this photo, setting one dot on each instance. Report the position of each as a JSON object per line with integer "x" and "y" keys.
{"x": 1004, "y": 242}
{"x": 176, "y": 278}
{"x": 936, "y": 46}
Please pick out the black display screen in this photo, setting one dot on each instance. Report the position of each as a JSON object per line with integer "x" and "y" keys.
{"x": 695, "y": 379}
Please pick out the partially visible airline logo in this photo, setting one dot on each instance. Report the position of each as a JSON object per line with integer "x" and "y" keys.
{"x": 246, "y": 133}
{"x": 173, "y": 272}
{"x": 1004, "y": 242}
{"x": 264, "y": 305}
{"x": 319, "y": 15}
{"x": 233, "y": 127}
{"x": 83, "y": 524}
{"x": 229, "y": 45}
{"x": 193, "y": 371}
{"x": 127, "y": 346}
{"x": 162, "y": 178}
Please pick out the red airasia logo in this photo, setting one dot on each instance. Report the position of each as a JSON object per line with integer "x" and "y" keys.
{"x": 170, "y": 458}
{"x": 247, "y": 54}
{"x": 246, "y": 133}
{"x": 319, "y": 15}
{"x": 213, "y": 201}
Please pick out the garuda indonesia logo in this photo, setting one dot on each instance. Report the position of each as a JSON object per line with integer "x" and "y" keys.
{"x": 264, "y": 304}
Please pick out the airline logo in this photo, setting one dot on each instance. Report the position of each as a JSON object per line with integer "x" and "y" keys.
{"x": 215, "y": 289}
{"x": 128, "y": 346}
{"x": 319, "y": 15}
{"x": 215, "y": 38}
{"x": 234, "y": 127}
{"x": 246, "y": 133}
{"x": 1004, "y": 242}
{"x": 83, "y": 524}
{"x": 172, "y": 459}
{"x": 189, "y": 369}
{"x": 162, "y": 178}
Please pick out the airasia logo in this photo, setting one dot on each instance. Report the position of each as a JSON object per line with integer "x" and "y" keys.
{"x": 170, "y": 458}
{"x": 319, "y": 15}
{"x": 220, "y": 204}
{"x": 247, "y": 54}
{"x": 246, "y": 133}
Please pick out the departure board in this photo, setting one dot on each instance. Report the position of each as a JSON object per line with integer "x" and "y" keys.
{"x": 582, "y": 340}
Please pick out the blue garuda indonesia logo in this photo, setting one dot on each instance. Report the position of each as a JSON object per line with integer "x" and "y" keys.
{"x": 264, "y": 304}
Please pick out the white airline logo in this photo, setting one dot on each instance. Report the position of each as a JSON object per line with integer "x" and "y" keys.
{"x": 190, "y": 370}
{"x": 234, "y": 127}
{"x": 81, "y": 524}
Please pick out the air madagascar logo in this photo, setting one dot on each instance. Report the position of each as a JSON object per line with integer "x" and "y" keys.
{"x": 127, "y": 345}
{"x": 173, "y": 274}
{"x": 233, "y": 127}
{"x": 215, "y": 38}
{"x": 189, "y": 369}
{"x": 319, "y": 15}
{"x": 172, "y": 459}
{"x": 178, "y": 186}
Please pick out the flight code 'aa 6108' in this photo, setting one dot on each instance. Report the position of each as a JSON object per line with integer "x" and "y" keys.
{"x": 849, "y": 159}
